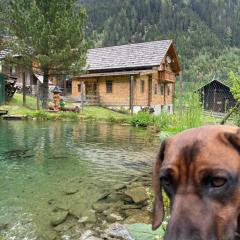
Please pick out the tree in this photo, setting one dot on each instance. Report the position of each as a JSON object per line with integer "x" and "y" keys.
{"x": 235, "y": 89}
{"x": 49, "y": 35}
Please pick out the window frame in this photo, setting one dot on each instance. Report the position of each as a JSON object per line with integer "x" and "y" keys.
{"x": 109, "y": 83}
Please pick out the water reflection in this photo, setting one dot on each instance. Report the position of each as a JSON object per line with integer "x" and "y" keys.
{"x": 39, "y": 160}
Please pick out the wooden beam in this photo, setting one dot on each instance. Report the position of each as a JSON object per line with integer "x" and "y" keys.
{"x": 131, "y": 93}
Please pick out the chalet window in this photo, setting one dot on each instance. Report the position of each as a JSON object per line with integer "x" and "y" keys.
{"x": 79, "y": 87}
{"x": 109, "y": 86}
{"x": 155, "y": 88}
{"x": 142, "y": 86}
{"x": 162, "y": 89}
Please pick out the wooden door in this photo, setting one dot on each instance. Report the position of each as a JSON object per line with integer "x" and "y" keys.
{"x": 91, "y": 88}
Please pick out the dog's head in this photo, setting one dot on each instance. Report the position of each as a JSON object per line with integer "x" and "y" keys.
{"x": 199, "y": 169}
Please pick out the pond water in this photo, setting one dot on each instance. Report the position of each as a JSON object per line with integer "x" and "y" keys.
{"x": 40, "y": 160}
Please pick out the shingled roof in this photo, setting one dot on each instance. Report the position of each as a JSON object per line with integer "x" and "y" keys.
{"x": 6, "y": 52}
{"x": 129, "y": 56}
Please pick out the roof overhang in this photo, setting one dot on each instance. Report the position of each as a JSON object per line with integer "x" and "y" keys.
{"x": 123, "y": 73}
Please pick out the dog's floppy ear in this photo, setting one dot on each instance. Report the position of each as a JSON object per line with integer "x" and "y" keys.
{"x": 234, "y": 139}
{"x": 158, "y": 208}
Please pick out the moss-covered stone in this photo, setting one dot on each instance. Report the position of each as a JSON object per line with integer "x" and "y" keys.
{"x": 137, "y": 194}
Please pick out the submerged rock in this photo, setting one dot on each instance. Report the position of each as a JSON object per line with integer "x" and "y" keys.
{"x": 65, "y": 226}
{"x": 119, "y": 187}
{"x": 77, "y": 210}
{"x": 138, "y": 217}
{"x": 71, "y": 190}
{"x": 90, "y": 216}
{"x": 4, "y": 226}
{"x": 130, "y": 206}
{"x": 100, "y": 207}
{"x": 89, "y": 235}
{"x": 48, "y": 235}
{"x": 112, "y": 217}
{"x": 58, "y": 217}
{"x": 113, "y": 197}
{"x": 117, "y": 231}
{"x": 138, "y": 194}
{"x": 135, "y": 185}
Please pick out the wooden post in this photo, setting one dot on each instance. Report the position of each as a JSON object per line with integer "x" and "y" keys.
{"x": 2, "y": 89}
{"x": 38, "y": 95}
{"x": 24, "y": 88}
{"x": 131, "y": 93}
{"x": 82, "y": 95}
{"x": 65, "y": 88}
{"x": 214, "y": 99}
{"x": 181, "y": 94}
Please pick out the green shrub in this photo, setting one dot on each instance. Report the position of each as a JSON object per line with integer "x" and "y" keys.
{"x": 142, "y": 119}
{"x": 41, "y": 114}
{"x": 191, "y": 114}
{"x": 236, "y": 119}
{"x": 163, "y": 121}
{"x": 68, "y": 115}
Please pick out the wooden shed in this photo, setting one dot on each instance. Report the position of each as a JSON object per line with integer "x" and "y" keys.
{"x": 130, "y": 76}
{"x": 216, "y": 96}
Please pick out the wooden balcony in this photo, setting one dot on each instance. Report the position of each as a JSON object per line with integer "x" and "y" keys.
{"x": 167, "y": 76}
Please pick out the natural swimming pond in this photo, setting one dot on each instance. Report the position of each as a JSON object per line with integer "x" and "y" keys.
{"x": 43, "y": 163}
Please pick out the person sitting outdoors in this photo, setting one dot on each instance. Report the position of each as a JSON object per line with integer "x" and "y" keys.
{"x": 62, "y": 103}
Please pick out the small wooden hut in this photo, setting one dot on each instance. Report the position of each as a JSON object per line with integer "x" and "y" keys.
{"x": 216, "y": 96}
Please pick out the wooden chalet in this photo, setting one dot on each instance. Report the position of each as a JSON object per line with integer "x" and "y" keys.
{"x": 24, "y": 75}
{"x": 216, "y": 96}
{"x": 131, "y": 76}
{"x": 18, "y": 71}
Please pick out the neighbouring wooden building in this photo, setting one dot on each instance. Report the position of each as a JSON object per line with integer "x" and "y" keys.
{"x": 18, "y": 71}
{"x": 130, "y": 76}
{"x": 32, "y": 78}
{"x": 216, "y": 96}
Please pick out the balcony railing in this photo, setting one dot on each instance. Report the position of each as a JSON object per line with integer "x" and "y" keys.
{"x": 90, "y": 100}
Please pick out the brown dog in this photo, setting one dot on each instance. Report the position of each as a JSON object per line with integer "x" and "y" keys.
{"x": 199, "y": 169}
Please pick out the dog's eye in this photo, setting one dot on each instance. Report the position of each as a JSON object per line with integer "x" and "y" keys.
{"x": 165, "y": 181}
{"x": 218, "y": 182}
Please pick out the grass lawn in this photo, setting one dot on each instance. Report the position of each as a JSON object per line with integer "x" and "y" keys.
{"x": 15, "y": 107}
{"x": 164, "y": 122}
{"x": 103, "y": 113}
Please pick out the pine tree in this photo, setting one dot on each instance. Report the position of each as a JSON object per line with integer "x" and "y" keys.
{"x": 49, "y": 35}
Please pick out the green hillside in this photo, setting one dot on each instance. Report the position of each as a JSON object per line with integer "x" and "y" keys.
{"x": 206, "y": 32}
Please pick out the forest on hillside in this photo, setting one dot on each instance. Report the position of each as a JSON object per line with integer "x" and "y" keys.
{"x": 206, "y": 32}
